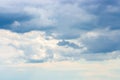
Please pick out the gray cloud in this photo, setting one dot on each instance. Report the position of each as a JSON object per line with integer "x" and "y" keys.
{"x": 68, "y": 44}
{"x": 49, "y": 16}
{"x": 102, "y": 41}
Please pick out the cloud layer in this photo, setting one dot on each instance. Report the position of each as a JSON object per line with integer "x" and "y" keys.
{"x": 37, "y": 47}
{"x": 68, "y": 39}
{"x": 39, "y": 31}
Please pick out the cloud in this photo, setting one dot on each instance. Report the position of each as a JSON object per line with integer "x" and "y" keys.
{"x": 38, "y": 47}
{"x": 49, "y": 16}
{"x": 71, "y": 30}
{"x": 105, "y": 70}
{"x": 104, "y": 40}
{"x": 61, "y": 15}
{"x": 69, "y": 38}
{"x": 67, "y": 43}
{"x": 31, "y": 47}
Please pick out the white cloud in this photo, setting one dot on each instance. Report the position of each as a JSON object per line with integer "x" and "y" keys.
{"x": 7, "y": 53}
{"x": 37, "y": 47}
{"x": 34, "y": 46}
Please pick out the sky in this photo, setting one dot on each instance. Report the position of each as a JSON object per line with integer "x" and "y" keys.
{"x": 59, "y": 40}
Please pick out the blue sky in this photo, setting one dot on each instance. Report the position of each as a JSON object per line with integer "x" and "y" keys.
{"x": 59, "y": 39}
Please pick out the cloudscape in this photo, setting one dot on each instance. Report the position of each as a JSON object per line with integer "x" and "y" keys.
{"x": 59, "y": 40}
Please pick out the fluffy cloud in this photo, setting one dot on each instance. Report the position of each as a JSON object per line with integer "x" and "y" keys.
{"x": 38, "y": 47}
{"x": 30, "y": 47}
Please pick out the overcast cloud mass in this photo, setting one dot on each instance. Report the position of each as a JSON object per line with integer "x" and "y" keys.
{"x": 51, "y": 33}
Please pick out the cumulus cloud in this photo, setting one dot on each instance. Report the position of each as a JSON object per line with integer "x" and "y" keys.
{"x": 38, "y": 47}
{"x": 30, "y": 47}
